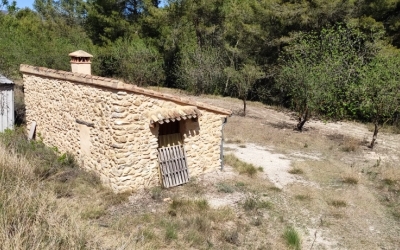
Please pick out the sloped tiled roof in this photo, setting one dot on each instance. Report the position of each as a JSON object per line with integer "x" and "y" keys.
{"x": 4, "y": 80}
{"x": 117, "y": 85}
{"x": 173, "y": 114}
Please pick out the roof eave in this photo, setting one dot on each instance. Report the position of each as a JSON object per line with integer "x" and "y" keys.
{"x": 117, "y": 85}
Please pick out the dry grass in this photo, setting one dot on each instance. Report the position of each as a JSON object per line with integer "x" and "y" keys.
{"x": 303, "y": 197}
{"x": 65, "y": 208}
{"x": 391, "y": 129}
{"x": 31, "y": 215}
{"x": 351, "y": 178}
{"x": 241, "y": 166}
{"x": 350, "y": 145}
{"x": 44, "y": 196}
{"x": 252, "y": 203}
{"x": 338, "y": 203}
{"x": 296, "y": 170}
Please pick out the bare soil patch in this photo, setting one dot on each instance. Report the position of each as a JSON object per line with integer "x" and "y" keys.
{"x": 324, "y": 182}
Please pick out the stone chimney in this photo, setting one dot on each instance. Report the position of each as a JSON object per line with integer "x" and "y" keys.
{"x": 81, "y": 62}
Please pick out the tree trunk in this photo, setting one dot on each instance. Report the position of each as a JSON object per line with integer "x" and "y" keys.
{"x": 302, "y": 121}
{"x": 244, "y": 106}
{"x": 375, "y": 135}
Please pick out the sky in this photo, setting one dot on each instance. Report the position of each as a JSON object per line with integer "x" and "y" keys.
{"x": 29, "y": 3}
{"x": 24, "y": 3}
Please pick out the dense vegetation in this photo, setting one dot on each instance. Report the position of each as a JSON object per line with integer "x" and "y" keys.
{"x": 336, "y": 58}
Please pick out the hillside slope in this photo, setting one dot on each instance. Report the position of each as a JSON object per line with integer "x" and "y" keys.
{"x": 324, "y": 185}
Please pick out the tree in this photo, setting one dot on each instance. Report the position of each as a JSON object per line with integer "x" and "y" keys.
{"x": 200, "y": 70}
{"x": 134, "y": 61}
{"x": 379, "y": 91}
{"x": 244, "y": 79}
{"x": 7, "y": 6}
{"x": 108, "y": 20}
{"x": 317, "y": 70}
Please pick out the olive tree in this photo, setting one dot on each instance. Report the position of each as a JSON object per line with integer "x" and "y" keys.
{"x": 316, "y": 71}
{"x": 244, "y": 79}
{"x": 379, "y": 91}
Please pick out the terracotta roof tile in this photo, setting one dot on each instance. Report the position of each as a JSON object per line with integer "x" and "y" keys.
{"x": 172, "y": 114}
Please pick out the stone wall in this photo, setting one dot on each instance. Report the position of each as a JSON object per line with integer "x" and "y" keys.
{"x": 105, "y": 124}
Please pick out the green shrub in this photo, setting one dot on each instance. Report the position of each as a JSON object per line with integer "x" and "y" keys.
{"x": 156, "y": 193}
{"x": 225, "y": 188}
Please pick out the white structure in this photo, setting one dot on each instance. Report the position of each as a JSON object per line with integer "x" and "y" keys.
{"x": 6, "y": 103}
{"x": 81, "y": 62}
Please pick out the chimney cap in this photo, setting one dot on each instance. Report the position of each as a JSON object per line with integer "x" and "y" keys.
{"x": 80, "y": 53}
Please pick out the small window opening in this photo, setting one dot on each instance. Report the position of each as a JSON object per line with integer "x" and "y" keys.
{"x": 169, "y": 134}
{"x": 169, "y": 128}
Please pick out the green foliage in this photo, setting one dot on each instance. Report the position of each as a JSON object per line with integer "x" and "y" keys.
{"x": 292, "y": 238}
{"x": 241, "y": 166}
{"x": 200, "y": 70}
{"x": 379, "y": 88}
{"x": 281, "y": 52}
{"x": 379, "y": 91}
{"x": 225, "y": 188}
{"x": 134, "y": 61}
{"x": 318, "y": 70}
{"x": 243, "y": 79}
{"x": 47, "y": 161}
{"x": 27, "y": 39}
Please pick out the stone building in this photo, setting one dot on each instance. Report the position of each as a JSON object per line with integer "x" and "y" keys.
{"x": 132, "y": 137}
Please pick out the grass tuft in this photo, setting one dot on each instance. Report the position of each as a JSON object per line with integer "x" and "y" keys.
{"x": 232, "y": 237}
{"x": 156, "y": 193}
{"x": 303, "y": 197}
{"x": 338, "y": 203}
{"x": 252, "y": 203}
{"x": 171, "y": 232}
{"x": 296, "y": 171}
{"x": 241, "y": 166}
{"x": 225, "y": 188}
{"x": 292, "y": 238}
{"x": 93, "y": 212}
{"x": 350, "y": 144}
{"x": 352, "y": 180}
{"x": 275, "y": 189}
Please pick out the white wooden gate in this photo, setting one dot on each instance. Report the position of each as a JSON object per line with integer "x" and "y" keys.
{"x": 173, "y": 166}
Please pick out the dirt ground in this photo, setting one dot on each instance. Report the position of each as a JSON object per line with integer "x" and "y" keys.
{"x": 364, "y": 223}
{"x": 324, "y": 182}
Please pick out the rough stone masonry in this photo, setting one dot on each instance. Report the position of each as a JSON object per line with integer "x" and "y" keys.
{"x": 105, "y": 124}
